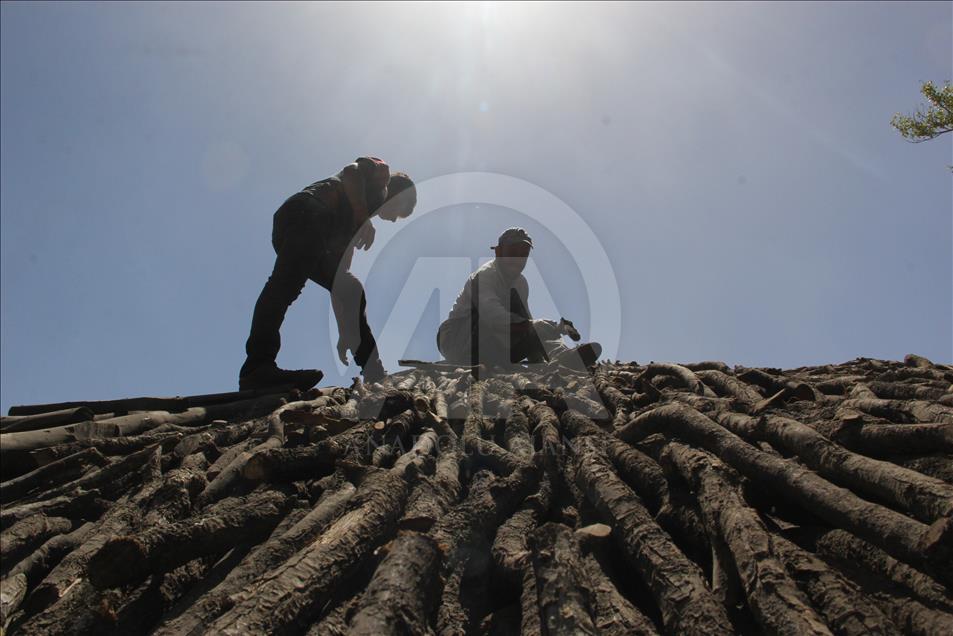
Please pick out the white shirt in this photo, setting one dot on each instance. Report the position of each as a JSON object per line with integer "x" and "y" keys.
{"x": 492, "y": 292}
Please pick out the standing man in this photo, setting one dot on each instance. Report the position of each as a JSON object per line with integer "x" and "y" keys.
{"x": 490, "y": 322}
{"x": 314, "y": 234}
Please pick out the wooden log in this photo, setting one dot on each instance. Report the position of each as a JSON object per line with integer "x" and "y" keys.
{"x": 433, "y": 496}
{"x": 231, "y": 477}
{"x": 128, "y": 425}
{"x": 889, "y": 440}
{"x": 639, "y": 471}
{"x": 288, "y": 464}
{"x": 26, "y": 441}
{"x": 489, "y": 454}
{"x": 173, "y": 499}
{"x": 516, "y": 435}
{"x": 778, "y": 383}
{"x": 939, "y": 466}
{"x": 845, "y": 609}
{"x": 461, "y": 532}
{"x": 294, "y": 593}
{"x": 23, "y": 537}
{"x": 708, "y": 365}
{"x": 902, "y": 411}
{"x": 678, "y": 586}
{"x": 60, "y": 585}
{"x": 82, "y": 610}
{"x": 612, "y": 613}
{"x": 86, "y": 505}
{"x": 419, "y": 459}
{"x": 530, "y": 620}
{"x": 915, "y": 374}
{"x": 839, "y": 385}
{"x": 510, "y": 550}
{"x": 13, "y": 589}
{"x": 18, "y": 423}
{"x": 563, "y": 601}
{"x": 270, "y": 555}
{"x": 127, "y": 559}
{"x": 382, "y": 405}
{"x": 217, "y": 436}
{"x": 109, "y": 446}
{"x": 137, "y": 611}
{"x": 725, "y": 385}
{"x": 56, "y": 473}
{"x": 685, "y": 377}
{"x": 774, "y": 598}
{"x": 898, "y": 391}
{"x": 616, "y": 399}
{"x": 846, "y": 548}
{"x": 105, "y": 478}
{"x": 228, "y": 455}
{"x": 924, "y": 497}
{"x": 401, "y": 597}
{"x": 173, "y": 404}
{"x": 913, "y": 617}
{"x": 898, "y": 534}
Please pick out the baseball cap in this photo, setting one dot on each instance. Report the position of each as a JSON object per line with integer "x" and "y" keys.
{"x": 514, "y": 236}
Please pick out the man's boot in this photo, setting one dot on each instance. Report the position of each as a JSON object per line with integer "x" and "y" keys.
{"x": 586, "y": 353}
{"x": 269, "y": 376}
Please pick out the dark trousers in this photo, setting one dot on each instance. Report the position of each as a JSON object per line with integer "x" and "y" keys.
{"x": 464, "y": 341}
{"x": 301, "y": 236}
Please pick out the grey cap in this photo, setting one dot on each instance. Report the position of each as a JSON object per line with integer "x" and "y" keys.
{"x": 514, "y": 236}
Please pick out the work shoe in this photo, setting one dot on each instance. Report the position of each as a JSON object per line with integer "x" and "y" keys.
{"x": 271, "y": 376}
{"x": 373, "y": 371}
{"x": 587, "y": 352}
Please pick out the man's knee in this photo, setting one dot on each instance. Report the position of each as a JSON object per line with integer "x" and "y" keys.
{"x": 347, "y": 288}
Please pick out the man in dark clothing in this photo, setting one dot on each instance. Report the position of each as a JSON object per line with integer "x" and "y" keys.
{"x": 314, "y": 234}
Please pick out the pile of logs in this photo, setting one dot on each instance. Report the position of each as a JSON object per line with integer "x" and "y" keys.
{"x": 634, "y": 499}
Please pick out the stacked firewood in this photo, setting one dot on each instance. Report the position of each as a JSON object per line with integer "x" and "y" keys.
{"x": 631, "y": 499}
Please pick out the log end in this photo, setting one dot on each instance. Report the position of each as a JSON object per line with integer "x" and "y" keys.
{"x": 117, "y": 563}
{"x": 256, "y": 468}
{"x": 937, "y": 541}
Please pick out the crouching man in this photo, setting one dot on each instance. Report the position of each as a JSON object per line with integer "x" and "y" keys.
{"x": 490, "y": 322}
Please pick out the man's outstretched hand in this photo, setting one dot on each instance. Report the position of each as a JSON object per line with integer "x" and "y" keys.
{"x": 342, "y": 351}
{"x": 364, "y": 237}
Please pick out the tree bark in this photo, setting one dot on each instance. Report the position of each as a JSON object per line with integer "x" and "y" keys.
{"x": 128, "y": 559}
{"x": 466, "y": 527}
{"x": 924, "y": 497}
{"x": 563, "y": 602}
{"x": 19, "y": 423}
{"x": 843, "y": 606}
{"x": 20, "y": 539}
{"x": 231, "y": 476}
{"x": 401, "y": 597}
{"x": 896, "y": 533}
{"x": 889, "y": 440}
{"x": 778, "y": 605}
{"x": 288, "y": 599}
{"x": 53, "y": 474}
{"x": 678, "y": 586}
{"x": 270, "y": 555}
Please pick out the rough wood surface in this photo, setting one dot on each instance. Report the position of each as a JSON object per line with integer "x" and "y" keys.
{"x": 634, "y": 499}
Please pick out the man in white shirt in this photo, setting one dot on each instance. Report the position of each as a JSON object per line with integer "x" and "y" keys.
{"x": 490, "y": 322}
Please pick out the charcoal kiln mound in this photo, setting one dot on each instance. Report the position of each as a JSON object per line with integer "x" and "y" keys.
{"x": 650, "y": 498}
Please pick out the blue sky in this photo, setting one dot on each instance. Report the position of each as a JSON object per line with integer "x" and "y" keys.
{"x": 734, "y": 161}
